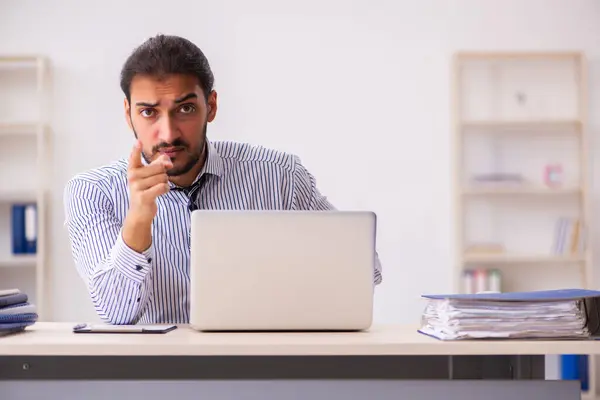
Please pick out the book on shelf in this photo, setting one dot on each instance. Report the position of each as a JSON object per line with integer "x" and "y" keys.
{"x": 569, "y": 237}
{"x": 495, "y": 178}
{"x": 24, "y": 228}
{"x": 476, "y": 280}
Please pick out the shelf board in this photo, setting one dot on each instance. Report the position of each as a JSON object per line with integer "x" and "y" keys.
{"x": 20, "y": 61}
{"x": 25, "y": 260}
{"x": 19, "y": 128}
{"x": 495, "y": 190}
{"x": 517, "y": 55}
{"x": 18, "y": 196}
{"x": 521, "y": 124}
{"x": 521, "y": 259}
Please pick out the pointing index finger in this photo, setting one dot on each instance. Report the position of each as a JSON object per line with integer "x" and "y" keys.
{"x": 135, "y": 158}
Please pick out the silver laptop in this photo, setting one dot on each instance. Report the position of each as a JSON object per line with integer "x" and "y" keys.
{"x": 282, "y": 270}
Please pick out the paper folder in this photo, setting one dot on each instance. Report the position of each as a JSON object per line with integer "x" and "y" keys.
{"x": 549, "y": 314}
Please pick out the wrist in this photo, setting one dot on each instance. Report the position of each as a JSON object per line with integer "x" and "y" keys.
{"x": 137, "y": 233}
{"x": 138, "y": 221}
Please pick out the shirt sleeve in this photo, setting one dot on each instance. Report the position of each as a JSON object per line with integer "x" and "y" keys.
{"x": 306, "y": 196}
{"x": 117, "y": 277}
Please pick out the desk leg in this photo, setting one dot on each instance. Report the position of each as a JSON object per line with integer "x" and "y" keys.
{"x": 497, "y": 367}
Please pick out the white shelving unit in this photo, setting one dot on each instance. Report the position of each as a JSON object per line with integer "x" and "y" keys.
{"x": 517, "y": 116}
{"x": 24, "y": 169}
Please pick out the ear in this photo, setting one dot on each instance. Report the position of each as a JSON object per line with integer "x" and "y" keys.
{"x": 211, "y": 106}
{"x": 127, "y": 108}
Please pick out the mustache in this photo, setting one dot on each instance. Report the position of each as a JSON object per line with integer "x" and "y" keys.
{"x": 176, "y": 143}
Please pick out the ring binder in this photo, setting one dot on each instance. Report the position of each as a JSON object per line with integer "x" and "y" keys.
{"x": 556, "y": 314}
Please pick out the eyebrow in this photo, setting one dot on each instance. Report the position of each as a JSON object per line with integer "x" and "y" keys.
{"x": 177, "y": 101}
{"x": 186, "y": 97}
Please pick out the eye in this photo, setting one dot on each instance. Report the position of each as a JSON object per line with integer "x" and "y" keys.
{"x": 187, "y": 108}
{"x": 147, "y": 112}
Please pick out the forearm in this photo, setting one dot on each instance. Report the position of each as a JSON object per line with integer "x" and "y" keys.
{"x": 117, "y": 277}
{"x": 120, "y": 287}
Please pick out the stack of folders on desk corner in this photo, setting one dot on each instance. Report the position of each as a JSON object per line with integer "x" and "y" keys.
{"x": 16, "y": 313}
{"x": 552, "y": 314}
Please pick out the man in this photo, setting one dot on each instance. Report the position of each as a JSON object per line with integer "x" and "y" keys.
{"x": 129, "y": 222}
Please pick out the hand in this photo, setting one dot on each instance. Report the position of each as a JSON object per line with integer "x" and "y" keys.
{"x": 146, "y": 183}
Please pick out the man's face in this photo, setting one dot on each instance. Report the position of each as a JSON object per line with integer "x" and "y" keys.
{"x": 169, "y": 116}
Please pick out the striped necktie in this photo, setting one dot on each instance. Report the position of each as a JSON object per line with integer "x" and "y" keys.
{"x": 192, "y": 192}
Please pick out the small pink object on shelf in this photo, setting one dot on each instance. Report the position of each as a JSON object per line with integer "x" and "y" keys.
{"x": 480, "y": 280}
{"x": 553, "y": 175}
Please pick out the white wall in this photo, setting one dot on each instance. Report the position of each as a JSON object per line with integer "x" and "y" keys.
{"x": 366, "y": 82}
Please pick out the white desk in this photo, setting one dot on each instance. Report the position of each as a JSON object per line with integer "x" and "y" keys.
{"x": 386, "y": 346}
{"x": 50, "y": 351}
{"x": 57, "y": 339}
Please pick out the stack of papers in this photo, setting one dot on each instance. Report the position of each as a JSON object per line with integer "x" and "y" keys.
{"x": 16, "y": 313}
{"x": 545, "y": 314}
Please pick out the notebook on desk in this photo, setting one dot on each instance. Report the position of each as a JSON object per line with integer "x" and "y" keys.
{"x": 107, "y": 328}
{"x": 12, "y": 299}
{"x": 549, "y": 314}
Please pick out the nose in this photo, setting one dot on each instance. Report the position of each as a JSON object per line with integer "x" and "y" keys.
{"x": 167, "y": 130}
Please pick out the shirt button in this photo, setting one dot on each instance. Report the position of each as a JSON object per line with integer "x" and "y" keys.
{"x": 149, "y": 259}
{"x": 138, "y": 267}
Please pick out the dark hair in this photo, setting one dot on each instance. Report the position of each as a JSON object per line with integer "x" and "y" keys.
{"x": 165, "y": 55}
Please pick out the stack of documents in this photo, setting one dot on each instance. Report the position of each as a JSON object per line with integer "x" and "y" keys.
{"x": 552, "y": 314}
{"x": 16, "y": 313}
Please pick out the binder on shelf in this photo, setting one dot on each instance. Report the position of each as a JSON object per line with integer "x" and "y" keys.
{"x": 548, "y": 314}
{"x": 18, "y": 228}
{"x": 24, "y": 228}
{"x": 31, "y": 229}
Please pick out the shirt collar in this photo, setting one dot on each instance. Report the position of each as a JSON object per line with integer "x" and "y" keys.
{"x": 212, "y": 166}
{"x": 214, "y": 161}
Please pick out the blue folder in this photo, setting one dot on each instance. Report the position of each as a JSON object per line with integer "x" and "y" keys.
{"x": 19, "y": 243}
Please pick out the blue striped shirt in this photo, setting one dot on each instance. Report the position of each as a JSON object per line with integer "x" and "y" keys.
{"x": 127, "y": 287}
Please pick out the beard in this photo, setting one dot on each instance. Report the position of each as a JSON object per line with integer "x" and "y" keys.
{"x": 191, "y": 155}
